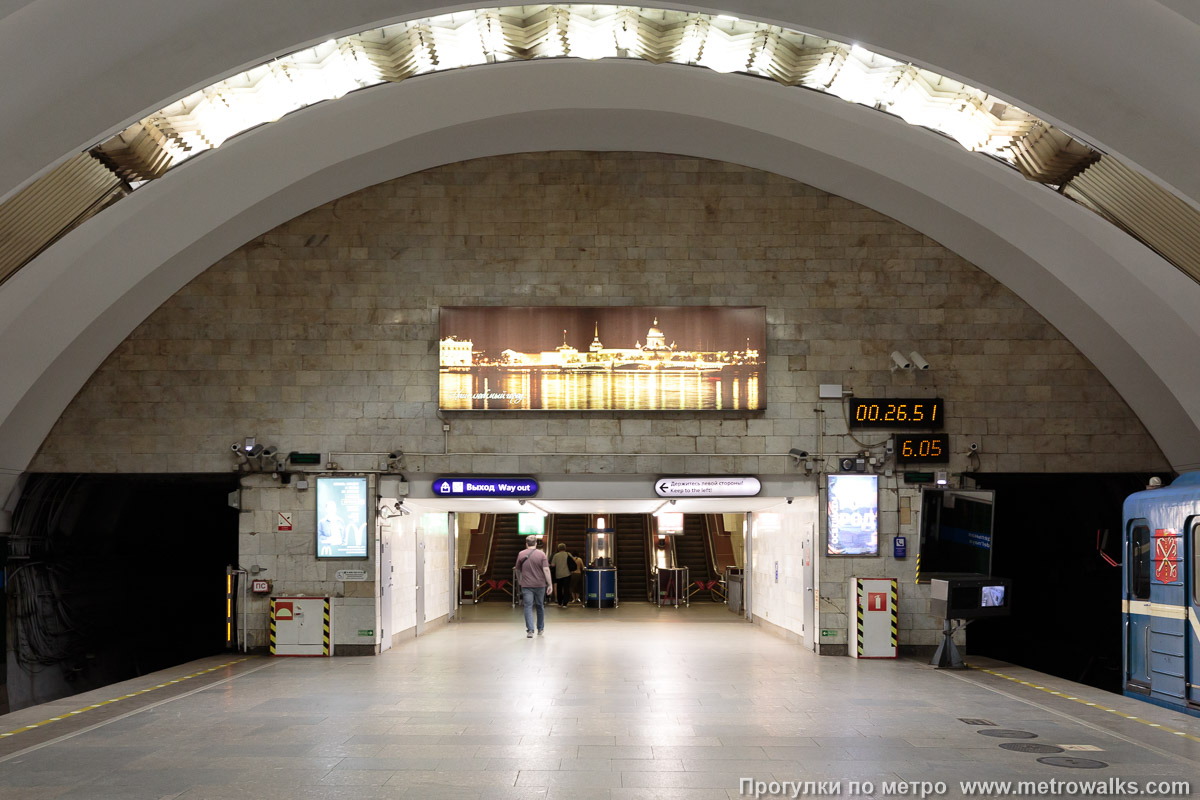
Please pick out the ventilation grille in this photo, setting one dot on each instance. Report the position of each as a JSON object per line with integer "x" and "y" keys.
{"x": 42, "y": 212}
{"x": 1142, "y": 208}
{"x": 976, "y": 120}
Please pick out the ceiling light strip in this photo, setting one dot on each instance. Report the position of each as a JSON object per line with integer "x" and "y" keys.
{"x": 979, "y": 122}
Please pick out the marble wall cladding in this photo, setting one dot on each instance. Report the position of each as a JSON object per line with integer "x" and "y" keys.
{"x": 321, "y": 335}
{"x": 779, "y": 598}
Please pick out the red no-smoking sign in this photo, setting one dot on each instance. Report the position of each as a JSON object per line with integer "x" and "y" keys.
{"x": 1166, "y": 555}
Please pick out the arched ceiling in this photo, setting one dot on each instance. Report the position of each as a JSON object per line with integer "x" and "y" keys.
{"x": 1127, "y": 310}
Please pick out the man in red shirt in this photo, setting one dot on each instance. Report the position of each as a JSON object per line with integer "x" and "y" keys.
{"x": 533, "y": 570}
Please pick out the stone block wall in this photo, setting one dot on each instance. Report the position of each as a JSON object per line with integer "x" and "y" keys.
{"x": 322, "y": 336}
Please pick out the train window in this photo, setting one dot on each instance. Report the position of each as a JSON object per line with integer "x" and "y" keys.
{"x": 1140, "y": 550}
{"x": 1196, "y": 562}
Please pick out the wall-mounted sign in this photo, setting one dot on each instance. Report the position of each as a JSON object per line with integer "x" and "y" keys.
{"x": 921, "y": 448}
{"x": 716, "y": 486}
{"x": 583, "y": 358}
{"x": 342, "y": 516}
{"x": 484, "y": 487}
{"x": 284, "y": 522}
{"x": 350, "y": 575}
{"x": 895, "y": 413}
{"x": 259, "y": 586}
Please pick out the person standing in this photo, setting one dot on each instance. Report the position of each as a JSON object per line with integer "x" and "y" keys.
{"x": 534, "y": 570}
{"x": 576, "y": 579}
{"x": 562, "y": 563}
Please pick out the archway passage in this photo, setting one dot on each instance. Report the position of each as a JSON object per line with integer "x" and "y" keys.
{"x": 116, "y": 576}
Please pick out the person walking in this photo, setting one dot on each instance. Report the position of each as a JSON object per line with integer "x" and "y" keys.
{"x": 534, "y": 570}
{"x": 562, "y": 563}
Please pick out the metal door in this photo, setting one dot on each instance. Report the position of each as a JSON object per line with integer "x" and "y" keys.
{"x": 1138, "y": 556}
{"x": 1192, "y": 588}
{"x": 420, "y": 581}
{"x": 385, "y": 586}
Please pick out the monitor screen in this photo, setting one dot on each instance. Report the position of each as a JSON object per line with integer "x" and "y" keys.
{"x": 956, "y": 532}
{"x": 992, "y": 597}
{"x": 342, "y": 517}
{"x": 853, "y": 515}
{"x": 531, "y": 523}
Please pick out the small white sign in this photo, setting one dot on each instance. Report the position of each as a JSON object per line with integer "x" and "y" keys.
{"x": 716, "y": 486}
{"x": 284, "y": 521}
{"x": 1087, "y": 747}
{"x": 351, "y": 575}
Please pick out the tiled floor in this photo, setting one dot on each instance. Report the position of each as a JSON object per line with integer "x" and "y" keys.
{"x": 633, "y": 703}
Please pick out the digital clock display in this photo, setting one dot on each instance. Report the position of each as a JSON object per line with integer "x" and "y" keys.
{"x": 922, "y": 448}
{"x": 895, "y": 413}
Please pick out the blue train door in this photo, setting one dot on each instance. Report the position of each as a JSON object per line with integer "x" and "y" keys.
{"x": 1138, "y": 554}
{"x": 1192, "y": 601}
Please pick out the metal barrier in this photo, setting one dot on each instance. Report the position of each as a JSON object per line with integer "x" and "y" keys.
{"x": 468, "y": 584}
{"x": 734, "y": 588}
{"x": 672, "y": 585}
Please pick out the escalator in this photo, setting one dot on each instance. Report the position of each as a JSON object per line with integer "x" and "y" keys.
{"x": 691, "y": 550}
{"x": 632, "y": 533}
{"x": 571, "y": 530}
{"x": 506, "y": 546}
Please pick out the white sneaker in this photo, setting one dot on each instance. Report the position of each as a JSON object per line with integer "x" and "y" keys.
{"x": 528, "y": 634}
{"x": 539, "y": 633}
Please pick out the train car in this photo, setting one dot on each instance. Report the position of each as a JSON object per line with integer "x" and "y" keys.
{"x": 1161, "y": 592}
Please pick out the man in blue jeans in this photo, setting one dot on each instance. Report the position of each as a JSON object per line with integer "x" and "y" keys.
{"x": 533, "y": 570}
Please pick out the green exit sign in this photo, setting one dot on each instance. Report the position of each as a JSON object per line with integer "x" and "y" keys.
{"x": 304, "y": 458}
{"x": 366, "y": 631}
{"x": 827, "y": 632}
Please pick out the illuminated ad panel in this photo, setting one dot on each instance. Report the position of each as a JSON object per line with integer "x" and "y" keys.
{"x": 853, "y": 515}
{"x": 342, "y": 517}
{"x": 580, "y": 358}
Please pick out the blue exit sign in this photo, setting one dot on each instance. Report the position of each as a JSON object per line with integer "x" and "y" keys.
{"x": 467, "y": 486}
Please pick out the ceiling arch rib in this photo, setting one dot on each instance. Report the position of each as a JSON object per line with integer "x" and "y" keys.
{"x": 975, "y": 119}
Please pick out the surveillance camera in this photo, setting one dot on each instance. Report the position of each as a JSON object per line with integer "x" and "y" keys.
{"x": 790, "y": 500}
{"x": 900, "y": 361}
{"x": 236, "y": 447}
{"x": 918, "y": 360}
{"x": 268, "y": 452}
{"x": 797, "y": 453}
{"x": 974, "y": 447}
{"x": 395, "y": 454}
{"x": 255, "y": 451}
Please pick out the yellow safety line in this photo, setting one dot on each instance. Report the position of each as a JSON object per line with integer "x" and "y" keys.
{"x": 102, "y": 703}
{"x": 1097, "y": 706}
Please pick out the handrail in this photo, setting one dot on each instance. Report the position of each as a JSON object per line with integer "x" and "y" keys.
{"x": 488, "y": 523}
{"x": 648, "y": 538}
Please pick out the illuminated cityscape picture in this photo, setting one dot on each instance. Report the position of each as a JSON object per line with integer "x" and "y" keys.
{"x": 575, "y": 358}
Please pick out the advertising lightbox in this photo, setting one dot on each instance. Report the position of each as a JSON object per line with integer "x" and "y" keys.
{"x": 853, "y": 515}
{"x": 584, "y": 358}
{"x": 342, "y": 515}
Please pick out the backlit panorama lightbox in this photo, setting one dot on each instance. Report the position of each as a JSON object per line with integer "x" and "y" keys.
{"x": 853, "y": 515}
{"x": 342, "y": 516}
{"x": 583, "y": 358}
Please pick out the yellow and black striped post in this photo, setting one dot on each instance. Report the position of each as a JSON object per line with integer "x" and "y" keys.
{"x": 325, "y": 637}
{"x": 272, "y": 626}
{"x": 859, "y": 605}
{"x": 918, "y": 578}
{"x": 895, "y": 612}
{"x": 229, "y": 607}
